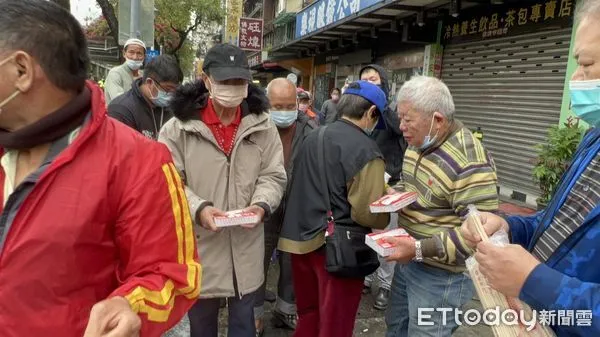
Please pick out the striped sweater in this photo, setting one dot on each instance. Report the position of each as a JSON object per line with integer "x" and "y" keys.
{"x": 448, "y": 178}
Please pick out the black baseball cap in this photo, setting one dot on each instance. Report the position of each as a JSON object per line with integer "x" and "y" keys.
{"x": 226, "y": 61}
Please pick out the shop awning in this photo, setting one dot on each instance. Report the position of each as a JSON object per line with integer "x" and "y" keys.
{"x": 381, "y": 16}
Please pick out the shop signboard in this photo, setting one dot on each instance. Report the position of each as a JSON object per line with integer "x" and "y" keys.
{"x": 323, "y": 13}
{"x": 509, "y": 20}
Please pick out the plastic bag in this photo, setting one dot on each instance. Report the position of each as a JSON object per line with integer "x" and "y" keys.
{"x": 492, "y": 299}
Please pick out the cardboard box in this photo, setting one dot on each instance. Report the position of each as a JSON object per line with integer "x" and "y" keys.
{"x": 377, "y": 243}
{"x": 236, "y": 218}
{"x": 393, "y": 202}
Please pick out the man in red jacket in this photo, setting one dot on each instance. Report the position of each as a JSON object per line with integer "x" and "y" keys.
{"x": 94, "y": 227}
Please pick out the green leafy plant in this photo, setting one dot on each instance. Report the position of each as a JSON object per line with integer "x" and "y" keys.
{"x": 555, "y": 155}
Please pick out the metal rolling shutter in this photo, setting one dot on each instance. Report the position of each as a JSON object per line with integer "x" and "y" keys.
{"x": 512, "y": 88}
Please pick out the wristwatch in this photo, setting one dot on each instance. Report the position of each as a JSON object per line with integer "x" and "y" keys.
{"x": 418, "y": 251}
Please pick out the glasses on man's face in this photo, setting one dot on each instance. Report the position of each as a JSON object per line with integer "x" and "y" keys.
{"x": 169, "y": 90}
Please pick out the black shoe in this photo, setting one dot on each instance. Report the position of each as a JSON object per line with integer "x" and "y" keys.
{"x": 381, "y": 300}
{"x": 270, "y": 296}
{"x": 281, "y": 320}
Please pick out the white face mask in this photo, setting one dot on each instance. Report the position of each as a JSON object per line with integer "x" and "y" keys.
{"x": 133, "y": 64}
{"x": 14, "y": 94}
{"x": 228, "y": 96}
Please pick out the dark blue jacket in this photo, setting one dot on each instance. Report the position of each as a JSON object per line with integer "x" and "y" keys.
{"x": 570, "y": 279}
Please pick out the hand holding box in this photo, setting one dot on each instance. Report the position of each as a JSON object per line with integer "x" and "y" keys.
{"x": 377, "y": 241}
{"x": 236, "y": 218}
{"x": 393, "y": 202}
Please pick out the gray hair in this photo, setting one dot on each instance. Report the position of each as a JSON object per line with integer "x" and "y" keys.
{"x": 427, "y": 95}
{"x": 587, "y": 8}
{"x": 278, "y": 81}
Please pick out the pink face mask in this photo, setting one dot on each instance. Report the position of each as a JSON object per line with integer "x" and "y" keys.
{"x": 303, "y": 107}
{"x": 228, "y": 96}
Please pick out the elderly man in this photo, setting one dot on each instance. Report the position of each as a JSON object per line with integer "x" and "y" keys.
{"x": 145, "y": 107}
{"x": 293, "y": 127}
{"x": 230, "y": 155}
{"x": 552, "y": 263}
{"x": 449, "y": 169}
{"x": 327, "y": 303}
{"x": 93, "y": 219}
{"x": 120, "y": 79}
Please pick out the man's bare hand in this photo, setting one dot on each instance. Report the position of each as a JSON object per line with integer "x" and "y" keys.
{"x": 256, "y": 210}
{"x": 491, "y": 224}
{"x": 113, "y": 318}
{"x": 206, "y": 218}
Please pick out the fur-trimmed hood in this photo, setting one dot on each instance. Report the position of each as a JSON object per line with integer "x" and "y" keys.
{"x": 191, "y": 99}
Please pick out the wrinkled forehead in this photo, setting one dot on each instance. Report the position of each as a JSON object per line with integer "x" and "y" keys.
{"x": 587, "y": 38}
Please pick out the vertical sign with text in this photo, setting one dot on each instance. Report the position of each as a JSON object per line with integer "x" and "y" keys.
{"x": 251, "y": 34}
{"x": 232, "y": 21}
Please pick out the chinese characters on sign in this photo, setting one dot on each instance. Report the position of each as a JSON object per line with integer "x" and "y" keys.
{"x": 323, "y": 13}
{"x": 254, "y": 59}
{"x": 507, "y": 20}
{"x": 251, "y": 34}
{"x": 232, "y": 21}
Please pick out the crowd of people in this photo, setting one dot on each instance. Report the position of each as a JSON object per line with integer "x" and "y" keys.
{"x": 128, "y": 183}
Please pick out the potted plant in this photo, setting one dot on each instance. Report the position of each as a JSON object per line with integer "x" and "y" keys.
{"x": 554, "y": 157}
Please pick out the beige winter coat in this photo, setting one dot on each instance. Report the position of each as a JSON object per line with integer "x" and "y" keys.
{"x": 254, "y": 174}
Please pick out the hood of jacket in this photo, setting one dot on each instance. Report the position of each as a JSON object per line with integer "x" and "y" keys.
{"x": 385, "y": 84}
{"x": 190, "y": 100}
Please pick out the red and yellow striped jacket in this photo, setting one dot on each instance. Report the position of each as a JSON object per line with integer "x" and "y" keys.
{"x": 108, "y": 217}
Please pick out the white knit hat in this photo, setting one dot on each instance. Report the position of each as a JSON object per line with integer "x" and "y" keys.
{"x": 137, "y": 42}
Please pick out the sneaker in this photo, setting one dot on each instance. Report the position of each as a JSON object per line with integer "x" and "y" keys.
{"x": 282, "y": 320}
{"x": 381, "y": 300}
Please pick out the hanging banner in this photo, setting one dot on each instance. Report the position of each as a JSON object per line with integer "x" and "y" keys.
{"x": 232, "y": 21}
{"x": 251, "y": 34}
{"x": 509, "y": 20}
{"x": 323, "y": 13}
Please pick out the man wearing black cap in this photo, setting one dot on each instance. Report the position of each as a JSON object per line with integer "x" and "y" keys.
{"x": 327, "y": 304}
{"x": 230, "y": 156}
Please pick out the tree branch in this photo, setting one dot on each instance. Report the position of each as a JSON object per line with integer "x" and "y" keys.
{"x": 183, "y": 35}
{"x": 108, "y": 11}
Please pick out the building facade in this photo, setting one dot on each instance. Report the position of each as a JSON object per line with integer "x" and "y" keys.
{"x": 507, "y": 64}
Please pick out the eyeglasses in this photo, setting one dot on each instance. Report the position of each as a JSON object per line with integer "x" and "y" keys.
{"x": 161, "y": 87}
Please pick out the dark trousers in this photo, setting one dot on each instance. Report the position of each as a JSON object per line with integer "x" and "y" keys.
{"x": 285, "y": 287}
{"x": 327, "y": 305}
{"x": 204, "y": 317}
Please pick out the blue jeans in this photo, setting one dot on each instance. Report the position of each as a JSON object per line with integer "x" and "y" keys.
{"x": 417, "y": 285}
{"x": 204, "y": 317}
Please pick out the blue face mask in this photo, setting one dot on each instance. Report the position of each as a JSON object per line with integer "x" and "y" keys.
{"x": 133, "y": 64}
{"x": 282, "y": 118}
{"x": 370, "y": 131}
{"x": 428, "y": 141}
{"x": 585, "y": 101}
{"x": 162, "y": 99}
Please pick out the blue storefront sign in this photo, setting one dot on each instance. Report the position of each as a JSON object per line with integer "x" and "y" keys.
{"x": 323, "y": 13}
{"x": 150, "y": 54}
